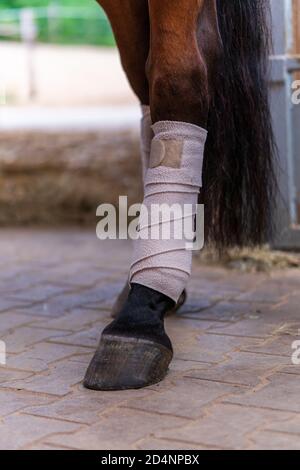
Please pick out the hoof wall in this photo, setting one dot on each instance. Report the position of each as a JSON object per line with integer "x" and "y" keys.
{"x": 122, "y": 363}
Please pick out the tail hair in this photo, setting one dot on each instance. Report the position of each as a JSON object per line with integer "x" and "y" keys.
{"x": 238, "y": 176}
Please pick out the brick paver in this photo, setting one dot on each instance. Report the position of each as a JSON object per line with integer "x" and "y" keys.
{"x": 232, "y": 383}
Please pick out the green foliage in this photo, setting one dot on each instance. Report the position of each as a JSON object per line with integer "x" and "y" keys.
{"x": 43, "y": 3}
{"x": 89, "y": 26}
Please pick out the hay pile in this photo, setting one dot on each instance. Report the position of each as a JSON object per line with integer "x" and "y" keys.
{"x": 250, "y": 259}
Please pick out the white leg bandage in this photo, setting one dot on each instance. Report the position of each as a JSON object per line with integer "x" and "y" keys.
{"x": 174, "y": 176}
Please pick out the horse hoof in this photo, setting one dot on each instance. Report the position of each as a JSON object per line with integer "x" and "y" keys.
{"x": 123, "y": 296}
{"x": 122, "y": 363}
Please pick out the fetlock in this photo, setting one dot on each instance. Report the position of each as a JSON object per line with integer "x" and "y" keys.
{"x": 142, "y": 316}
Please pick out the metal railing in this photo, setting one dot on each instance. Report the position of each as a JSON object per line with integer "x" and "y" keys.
{"x": 58, "y": 24}
{"x": 53, "y": 24}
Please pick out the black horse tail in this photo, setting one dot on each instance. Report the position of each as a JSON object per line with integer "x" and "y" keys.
{"x": 238, "y": 178}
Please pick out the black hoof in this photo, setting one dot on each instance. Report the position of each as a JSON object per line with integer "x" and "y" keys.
{"x": 122, "y": 363}
{"x": 134, "y": 350}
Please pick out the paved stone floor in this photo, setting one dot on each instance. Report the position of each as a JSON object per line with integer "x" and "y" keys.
{"x": 232, "y": 383}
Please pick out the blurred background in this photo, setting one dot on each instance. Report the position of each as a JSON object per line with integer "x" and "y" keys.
{"x": 69, "y": 122}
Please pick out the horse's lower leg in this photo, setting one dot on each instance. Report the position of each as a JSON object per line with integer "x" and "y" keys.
{"x": 183, "y": 49}
{"x": 134, "y": 350}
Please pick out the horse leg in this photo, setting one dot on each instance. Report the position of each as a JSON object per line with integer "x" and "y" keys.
{"x": 185, "y": 45}
{"x": 134, "y": 350}
{"x": 136, "y": 37}
{"x": 130, "y": 23}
